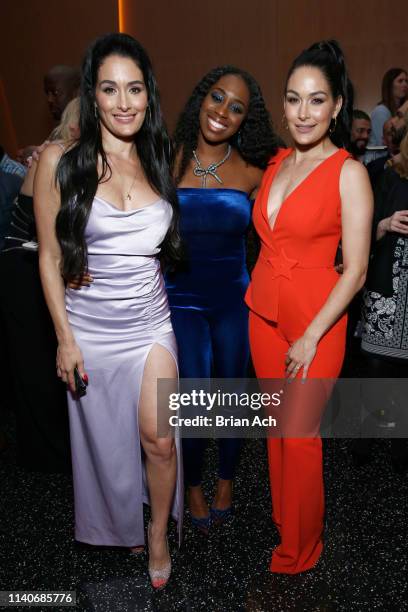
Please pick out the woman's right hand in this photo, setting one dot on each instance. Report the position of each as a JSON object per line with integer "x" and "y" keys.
{"x": 398, "y": 222}
{"x": 69, "y": 356}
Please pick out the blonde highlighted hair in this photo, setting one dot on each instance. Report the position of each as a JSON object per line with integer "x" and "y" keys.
{"x": 69, "y": 117}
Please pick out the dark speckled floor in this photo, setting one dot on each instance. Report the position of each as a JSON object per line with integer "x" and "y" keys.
{"x": 364, "y": 566}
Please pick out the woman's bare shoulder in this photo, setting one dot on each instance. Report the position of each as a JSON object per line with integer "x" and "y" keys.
{"x": 353, "y": 170}
{"x": 355, "y": 186}
{"x": 51, "y": 155}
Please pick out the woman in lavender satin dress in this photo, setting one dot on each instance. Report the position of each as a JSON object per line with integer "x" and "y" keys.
{"x": 108, "y": 205}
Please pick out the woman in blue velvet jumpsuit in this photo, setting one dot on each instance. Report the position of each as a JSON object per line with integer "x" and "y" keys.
{"x": 223, "y": 142}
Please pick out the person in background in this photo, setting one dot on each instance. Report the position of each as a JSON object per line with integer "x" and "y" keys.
{"x": 399, "y": 123}
{"x": 393, "y": 132}
{"x": 12, "y": 175}
{"x": 29, "y": 344}
{"x": 68, "y": 129}
{"x": 389, "y": 139}
{"x": 394, "y": 91}
{"x": 360, "y": 134}
{"x": 10, "y": 185}
{"x": 385, "y": 305}
{"x": 61, "y": 84}
{"x": 354, "y": 363}
{"x": 10, "y": 166}
{"x": 11, "y": 178}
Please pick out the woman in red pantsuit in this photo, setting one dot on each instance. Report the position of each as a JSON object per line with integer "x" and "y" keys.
{"x": 311, "y": 197}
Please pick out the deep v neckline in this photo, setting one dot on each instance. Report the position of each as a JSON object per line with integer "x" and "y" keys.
{"x": 294, "y": 190}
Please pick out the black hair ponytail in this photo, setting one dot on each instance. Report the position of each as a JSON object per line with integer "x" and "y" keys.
{"x": 329, "y": 58}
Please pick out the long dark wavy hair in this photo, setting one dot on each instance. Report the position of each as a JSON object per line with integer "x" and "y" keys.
{"x": 77, "y": 171}
{"x": 328, "y": 57}
{"x": 256, "y": 141}
{"x": 386, "y": 89}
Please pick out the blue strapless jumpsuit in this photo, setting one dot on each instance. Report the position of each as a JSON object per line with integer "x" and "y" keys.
{"x": 208, "y": 313}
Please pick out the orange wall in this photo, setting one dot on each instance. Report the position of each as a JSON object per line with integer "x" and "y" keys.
{"x": 185, "y": 39}
{"x": 35, "y": 35}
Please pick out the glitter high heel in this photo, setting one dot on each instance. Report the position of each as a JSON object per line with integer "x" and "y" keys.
{"x": 159, "y": 577}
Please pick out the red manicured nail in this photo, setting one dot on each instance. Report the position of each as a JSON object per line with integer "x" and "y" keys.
{"x": 85, "y": 378}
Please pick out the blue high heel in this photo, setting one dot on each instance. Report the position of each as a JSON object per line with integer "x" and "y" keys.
{"x": 202, "y": 524}
{"x": 220, "y": 516}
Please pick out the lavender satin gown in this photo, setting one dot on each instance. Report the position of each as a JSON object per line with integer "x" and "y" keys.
{"x": 116, "y": 321}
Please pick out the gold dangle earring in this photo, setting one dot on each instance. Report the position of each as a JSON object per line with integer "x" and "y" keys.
{"x": 284, "y": 122}
{"x": 332, "y": 128}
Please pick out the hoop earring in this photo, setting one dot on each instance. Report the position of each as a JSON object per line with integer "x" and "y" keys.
{"x": 332, "y": 128}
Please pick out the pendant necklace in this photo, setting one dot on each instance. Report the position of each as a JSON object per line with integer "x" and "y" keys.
{"x": 211, "y": 170}
{"x": 127, "y": 196}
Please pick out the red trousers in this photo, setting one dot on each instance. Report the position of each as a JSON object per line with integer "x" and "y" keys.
{"x": 295, "y": 457}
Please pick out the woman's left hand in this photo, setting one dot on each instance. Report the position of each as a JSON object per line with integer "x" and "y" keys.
{"x": 300, "y": 355}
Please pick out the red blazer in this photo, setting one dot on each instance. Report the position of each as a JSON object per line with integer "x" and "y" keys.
{"x": 296, "y": 261}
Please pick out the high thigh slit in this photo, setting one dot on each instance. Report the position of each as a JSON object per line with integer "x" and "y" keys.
{"x": 116, "y": 322}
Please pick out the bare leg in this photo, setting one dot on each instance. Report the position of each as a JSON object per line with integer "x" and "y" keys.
{"x": 197, "y": 502}
{"x": 223, "y": 496}
{"x": 161, "y": 461}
